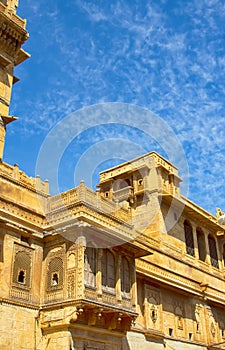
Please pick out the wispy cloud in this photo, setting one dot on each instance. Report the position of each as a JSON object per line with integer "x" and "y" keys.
{"x": 169, "y": 59}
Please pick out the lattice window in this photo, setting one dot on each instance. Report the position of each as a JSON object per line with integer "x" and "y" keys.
{"x": 90, "y": 266}
{"x": 108, "y": 269}
{"x": 201, "y": 244}
{"x": 22, "y": 269}
{"x": 55, "y": 273}
{"x": 213, "y": 252}
{"x": 125, "y": 275}
{"x": 189, "y": 240}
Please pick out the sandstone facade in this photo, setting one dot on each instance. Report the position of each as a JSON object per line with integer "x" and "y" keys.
{"x": 132, "y": 265}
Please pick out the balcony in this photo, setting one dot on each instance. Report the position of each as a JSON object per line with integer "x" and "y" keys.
{"x": 91, "y": 309}
{"x": 124, "y": 194}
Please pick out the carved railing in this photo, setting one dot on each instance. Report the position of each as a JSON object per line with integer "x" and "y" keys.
{"x": 91, "y": 198}
{"x": 123, "y": 193}
{"x": 14, "y": 173}
{"x": 20, "y": 294}
{"x": 53, "y": 296}
{"x": 107, "y": 299}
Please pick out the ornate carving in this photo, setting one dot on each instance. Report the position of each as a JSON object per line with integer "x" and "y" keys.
{"x": 211, "y": 321}
{"x": 197, "y": 313}
{"x": 80, "y": 271}
{"x": 21, "y": 275}
{"x": 151, "y": 306}
{"x": 71, "y": 285}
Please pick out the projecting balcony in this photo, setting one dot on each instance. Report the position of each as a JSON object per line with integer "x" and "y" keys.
{"x": 91, "y": 308}
{"x": 124, "y": 194}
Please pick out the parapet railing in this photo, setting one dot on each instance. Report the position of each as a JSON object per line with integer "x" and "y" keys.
{"x": 14, "y": 173}
{"x": 90, "y": 197}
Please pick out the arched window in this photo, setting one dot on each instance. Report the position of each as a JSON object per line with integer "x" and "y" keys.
{"x": 125, "y": 275}
{"x": 108, "y": 269}
{"x": 189, "y": 238}
{"x": 90, "y": 266}
{"x": 201, "y": 244}
{"x": 55, "y": 273}
{"x": 213, "y": 251}
{"x": 22, "y": 269}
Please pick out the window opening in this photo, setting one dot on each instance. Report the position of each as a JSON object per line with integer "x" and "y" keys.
{"x": 201, "y": 244}
{"x": 90, "y": 266}
{"x": 21, "y": 277}
{"x": 213, "y": 252}
{"x": 55, "y": 279}
{"x": 55, "y": 273}
{"x": 125, "y": 275}
{"x": 189, "y": 240}
{"x": 171, "y": 332}
{"x": 140, "y": 182}
{"x": 108, "y": 269}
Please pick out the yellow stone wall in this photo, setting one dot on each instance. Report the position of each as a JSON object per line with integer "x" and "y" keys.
{"x": 19, "y": 328}
{"x": 173, "y": 300}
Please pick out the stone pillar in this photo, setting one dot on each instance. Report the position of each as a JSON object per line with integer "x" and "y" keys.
{"x": 133, "y": 284}
{"x": 118, "y": 279}
{"x": 207, "y": 259}
{"x": 99, "y": 273}
{"x": 219, "y": 254}
{"x": 195, "y": 242}
{"x": 81, "y": 245}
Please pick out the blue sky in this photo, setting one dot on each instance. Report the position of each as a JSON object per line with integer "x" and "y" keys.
{"x": 164, "y": 55}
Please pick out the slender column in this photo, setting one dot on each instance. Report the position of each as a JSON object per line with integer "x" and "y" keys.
{"x": 133, "y": 284}
{"x": 99, "y": 273}
{"x": 208, "y": 260}
{"x": 219, "y": 255}
{"x": 81, "y": 245}
{"x": 195, "y": 242}
{"x": 118, "y": 279}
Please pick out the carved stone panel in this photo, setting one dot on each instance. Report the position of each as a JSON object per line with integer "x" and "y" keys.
{"x": 21, "y": 272}
{"x": 152, "y": 308}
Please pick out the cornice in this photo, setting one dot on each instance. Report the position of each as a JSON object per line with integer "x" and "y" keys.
{"x": 14, "y": 302}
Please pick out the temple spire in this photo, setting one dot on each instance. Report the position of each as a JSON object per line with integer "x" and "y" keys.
{"x": 12, "y": 36}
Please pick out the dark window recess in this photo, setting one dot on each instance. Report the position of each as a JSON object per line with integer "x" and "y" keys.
{"x": 90, "y": 266}
{"x": 201, "y": 244}
{"x": 25, "y": 239}
{"x": 55, "y": 279}
{"x": 21, "y": 277}
{"x": 189, "y": 240}
{"x": 108, "y": 269}
{"x": 213, "y": 252}
{"x": 171, "y": 332}
{"x": 125, "y": 275}
{"x": 224, "y": 255}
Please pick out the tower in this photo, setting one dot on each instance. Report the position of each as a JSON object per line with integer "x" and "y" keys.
{"x": 12, "y": 36}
